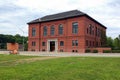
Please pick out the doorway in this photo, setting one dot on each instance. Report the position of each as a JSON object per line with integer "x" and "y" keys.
{"x": 52, "y": 46}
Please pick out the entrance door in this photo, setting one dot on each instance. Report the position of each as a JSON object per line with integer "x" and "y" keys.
{"x": 52, "y": 46}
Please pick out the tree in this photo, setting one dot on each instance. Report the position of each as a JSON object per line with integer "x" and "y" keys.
{"x": 116, "y": 43}
{"x": 110, "y": 42}
{"x": 4, "y": 39}
{"x": 103, "y": 38}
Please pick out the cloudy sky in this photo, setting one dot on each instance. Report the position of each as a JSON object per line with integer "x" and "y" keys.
{"x": 14, "y": 14}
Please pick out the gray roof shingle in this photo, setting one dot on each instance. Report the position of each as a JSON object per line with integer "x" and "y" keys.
{"x": 63, "y": 15}
{"x": 58, "y": 16}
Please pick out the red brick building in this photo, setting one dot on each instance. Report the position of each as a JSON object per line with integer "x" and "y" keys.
{"x": 72, "y": 31}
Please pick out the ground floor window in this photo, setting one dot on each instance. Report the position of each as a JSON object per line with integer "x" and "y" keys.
{"x": 43, "y": 50}
{"x": 43, "y": 43}
{"x": 33, "y": 50}
{"x": 33, "y": 43}
{"x": 75, "y": 51}
{"x": 74, "y": 42}
{"x": 61, "y": 43}
{"x": 61, "y": 50}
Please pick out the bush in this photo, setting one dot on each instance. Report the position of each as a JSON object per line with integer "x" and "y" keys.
{"x": 106, "y": 51}
{"x": 95, "y": 51}
{"x": 115, "y": 51}
{"x": 87, "y": 51}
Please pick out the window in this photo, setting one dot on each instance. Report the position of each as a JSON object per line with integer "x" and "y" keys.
{"x": 90, "y": 43}
{"x": 43, "y": 50}
{"x": 60, "y": 29}
{"x": 72, "y": 50}
{"x": 43, "y": 43}
{"x": 87, "y": 30}
{"x": 90, "y": 29}
{"x": 33, "y": 31}
{"x": 75, "y": 43}
{"x": 86, "y": 42}
{"x": 61, "y": 50}
{"x": 45, "y": 31}
{"x": 33, "y": 50}
{"x": 75, "y": 28}
{"x": 33, "y": 43}
{"x": 52, "y": 30}
{"x": 61, "y": 43}
{"x": 93, "y": 43}
{"x": 76, "y": 51}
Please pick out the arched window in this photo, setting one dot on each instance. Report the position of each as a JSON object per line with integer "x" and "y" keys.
{"x": 33, "y": 31}
{"x": 45, "y": 31}
{"x": 90, "y": 29}
{"x": 52, "y": 30}
{"x": 60, "y": 29}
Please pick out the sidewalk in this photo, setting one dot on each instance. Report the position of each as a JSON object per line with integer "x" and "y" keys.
{"x": 65, "y": 54}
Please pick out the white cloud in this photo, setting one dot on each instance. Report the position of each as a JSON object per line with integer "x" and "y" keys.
{"x": 18, "y": 12}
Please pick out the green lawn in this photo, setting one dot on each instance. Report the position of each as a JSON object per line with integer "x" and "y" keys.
{"x": 70, "y": 68}
{"x": 13, "y": 57}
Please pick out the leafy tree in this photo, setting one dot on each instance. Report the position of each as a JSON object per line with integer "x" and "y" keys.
{"x": 116, "y": 43}
{"x": 4, "y": 39}
{"x": 109, "y": 42}
{"x": 103, "y": 38}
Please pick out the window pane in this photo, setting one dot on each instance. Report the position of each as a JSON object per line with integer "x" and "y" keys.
{"x": 60, "y": 29}
{"x": 75, "y": 28}
{"x": 52, "y": 31}
{"x": 33, "y": 43}
{"x": 33, "y": 31}
{"x": 43, "y": 43}
{"x": 61, "y": 43}
{"x": 45, "y": 31}
{"x": 74, "y": 42}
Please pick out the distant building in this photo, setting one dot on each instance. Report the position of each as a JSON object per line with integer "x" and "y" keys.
{"x": 72, "y": 31}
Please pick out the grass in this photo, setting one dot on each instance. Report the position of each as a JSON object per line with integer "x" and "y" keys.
{"x": 70, "y": 68}
{"x": 12, "y": 57}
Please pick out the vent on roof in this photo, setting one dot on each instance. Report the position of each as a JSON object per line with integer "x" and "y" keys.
{"x": 39, "y": 19}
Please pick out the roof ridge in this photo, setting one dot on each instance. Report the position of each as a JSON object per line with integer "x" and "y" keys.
{"x": 64, "y": 12}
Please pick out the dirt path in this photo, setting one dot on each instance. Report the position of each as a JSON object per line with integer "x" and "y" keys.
{"x": 21, "y": 61}
{"x": 36, "y": 59}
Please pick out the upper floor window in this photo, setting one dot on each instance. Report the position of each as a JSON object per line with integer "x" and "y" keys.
{"x": 45, "y": 31}
{"x": 75, "y": 27}
{"x": 74, "y": 42}
{"x": 61, "y": 43}
{"x": 52, "y": 30}
{"x": 60, "y": 29}
{"x": 33, "y": 43}
{"x": 33, "y": 31}
{"x": 90, "y": 29}
{"x": 87, "y": 30}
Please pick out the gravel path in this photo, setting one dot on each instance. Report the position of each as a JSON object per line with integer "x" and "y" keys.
{"x": 71, "y": 54}
{"x": 65, "y": 54}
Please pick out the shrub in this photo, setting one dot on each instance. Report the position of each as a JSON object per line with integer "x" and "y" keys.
{"x": 115, "y": 51}
{"x": 95, "y": 51}
{"x": 87, "y": 51}
{"x": 106, "y": 51}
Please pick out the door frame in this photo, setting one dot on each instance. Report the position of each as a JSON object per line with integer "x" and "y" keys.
{"x": 48, "y": 44}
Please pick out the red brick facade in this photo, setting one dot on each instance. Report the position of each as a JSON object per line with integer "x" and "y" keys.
{"x": 88, "y": 35}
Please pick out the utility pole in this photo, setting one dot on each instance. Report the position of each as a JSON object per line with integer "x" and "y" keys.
{"x": 23, "y": 37}
{"x": 0, "y": 44}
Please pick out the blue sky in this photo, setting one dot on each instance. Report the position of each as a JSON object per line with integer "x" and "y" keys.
{"x": 14, "y": 14}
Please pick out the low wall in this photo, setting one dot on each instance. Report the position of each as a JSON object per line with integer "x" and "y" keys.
{"x": 100, "y": 50}
{"x": 4, "y": 52}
